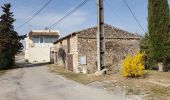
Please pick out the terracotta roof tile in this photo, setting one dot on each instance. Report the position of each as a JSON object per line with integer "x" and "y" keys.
{"x": 109, "y": 31}
{"x": 32, "y": 33}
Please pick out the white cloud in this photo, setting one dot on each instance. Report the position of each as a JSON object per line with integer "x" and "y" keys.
{"x": 46, "y": 19}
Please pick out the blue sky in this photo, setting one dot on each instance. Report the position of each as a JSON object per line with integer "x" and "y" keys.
{"x": 85, "y": 17}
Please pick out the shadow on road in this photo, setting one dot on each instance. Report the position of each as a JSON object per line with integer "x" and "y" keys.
{"x": 24, "y": 65}
{"x": 20, "y": 63}
{"x": 27, "y": 65}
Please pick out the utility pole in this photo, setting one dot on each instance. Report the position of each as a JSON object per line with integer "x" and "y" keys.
{"x": 100, "y": 37}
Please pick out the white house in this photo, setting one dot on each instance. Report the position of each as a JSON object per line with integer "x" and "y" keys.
{"x": 39, "y": 45}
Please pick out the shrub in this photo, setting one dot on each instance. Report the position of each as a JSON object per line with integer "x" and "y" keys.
{"x": 133, "y": 65}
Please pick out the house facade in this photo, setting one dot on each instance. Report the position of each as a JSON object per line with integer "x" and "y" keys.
{"x": 77, "y": 51}
{"x": 39, "y": 45}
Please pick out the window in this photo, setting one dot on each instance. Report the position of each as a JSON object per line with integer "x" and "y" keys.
{"x": 41, "y": 39}
{"x": 49, "y": 39}
{"x": 35, "y": 40}
{"x": 83, "y": 60}
{"x": 46, "y": 40}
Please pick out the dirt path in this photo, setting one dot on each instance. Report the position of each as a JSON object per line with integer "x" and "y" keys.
{"x": 36, "y": 82}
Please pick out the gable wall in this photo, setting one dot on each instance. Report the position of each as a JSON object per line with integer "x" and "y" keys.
{"x": 116, "y": 50}
{"x": 119, "y": 43}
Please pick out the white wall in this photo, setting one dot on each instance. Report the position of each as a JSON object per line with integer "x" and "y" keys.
{"x": 39, "y": 55}
{"x": 37, "y": 52}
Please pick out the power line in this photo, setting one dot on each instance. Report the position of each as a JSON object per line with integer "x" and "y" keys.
{"x": 138, "y": 22}
{"x": 71, "y": 12}
{"x": 112, "y": 10}
{"x": 34, "y": 15}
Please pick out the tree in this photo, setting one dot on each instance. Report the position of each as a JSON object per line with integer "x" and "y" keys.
{"x": 159, "y": 32}
{"x": 149, "y": 62}
{"x": 144, "y": 47}
{"x": 10, "y": 43}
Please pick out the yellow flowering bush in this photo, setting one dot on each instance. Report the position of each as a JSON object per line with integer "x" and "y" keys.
{"x": 133, "y": 65}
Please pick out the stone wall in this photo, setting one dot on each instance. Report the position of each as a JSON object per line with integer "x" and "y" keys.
{"x": 74, "y": 51}
{"x": 116, "y": 50}
{"x": 61, "y": 52}
{"x": 87, "y": 47}
{"x": 119, "y": 43}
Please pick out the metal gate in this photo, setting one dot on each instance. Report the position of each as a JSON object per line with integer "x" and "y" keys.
{"x": 70, "y": 62}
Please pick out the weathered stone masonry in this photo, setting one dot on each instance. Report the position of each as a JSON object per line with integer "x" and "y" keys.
{"x": 119, "y": 43}
{"x": 116, "y": 50}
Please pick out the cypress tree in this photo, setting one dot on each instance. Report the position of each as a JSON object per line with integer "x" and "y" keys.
{"x": 144, "y": 47}
{"x": 9, "y": 39}
{"x": 159, "y": 32}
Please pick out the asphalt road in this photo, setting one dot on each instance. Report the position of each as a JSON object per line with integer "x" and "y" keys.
{"x": 36, "y": 82}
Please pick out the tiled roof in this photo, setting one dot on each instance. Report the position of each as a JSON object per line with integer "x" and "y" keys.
{"x": 44, "y": 33}
{"x": 109, "y": 31}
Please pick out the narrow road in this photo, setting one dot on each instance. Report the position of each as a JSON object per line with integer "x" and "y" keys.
{"x": 36, "y": 82}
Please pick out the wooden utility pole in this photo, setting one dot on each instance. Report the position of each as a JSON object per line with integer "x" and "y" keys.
{"x": 100, "y": 36}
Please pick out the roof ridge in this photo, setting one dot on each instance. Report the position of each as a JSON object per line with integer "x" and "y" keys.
{"x": 105, "y": 24}
{"x": 121, "y": 31}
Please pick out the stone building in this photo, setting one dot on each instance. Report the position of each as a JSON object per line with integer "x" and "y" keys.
{"x": 77, "y": 51}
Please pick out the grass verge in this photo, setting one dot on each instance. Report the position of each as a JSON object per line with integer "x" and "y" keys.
{"x": 143, "y": 86}
{"x": 81, "y": 78}
{"x": 134, "y": 86}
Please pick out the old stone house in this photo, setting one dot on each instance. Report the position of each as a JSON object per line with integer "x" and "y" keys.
{"x": 77, "y": 51}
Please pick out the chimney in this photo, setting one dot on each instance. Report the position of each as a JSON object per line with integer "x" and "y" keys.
{"x": 46, "y": 28}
